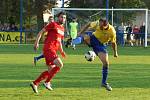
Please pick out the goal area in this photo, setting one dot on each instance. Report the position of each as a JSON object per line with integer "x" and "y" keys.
{"x": 116, "y": 17}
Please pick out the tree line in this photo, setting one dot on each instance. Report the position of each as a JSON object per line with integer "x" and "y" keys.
{"x": 33, "y": 9}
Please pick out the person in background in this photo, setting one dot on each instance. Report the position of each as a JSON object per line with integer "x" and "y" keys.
{"x": 142, "y": 33}
{"x": 73, "y": 27}
{"x": 129, "y": 34}
{"x": 13, "y": 27}
{"x": 136, "y": 32}
{"x": 121, "y": 34}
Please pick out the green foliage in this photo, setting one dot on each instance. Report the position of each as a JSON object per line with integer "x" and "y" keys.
{"x": 112, "y": 3}
{"x": 86, "y": 4}
{"x": 10, "y": 9}
{"x": 147, "y": 2}
{"x": 126, "y": 4}
{"x": 124, "y": 16}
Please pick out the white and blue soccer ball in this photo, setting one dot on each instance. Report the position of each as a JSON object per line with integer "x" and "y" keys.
{"x": 90, "y": 55}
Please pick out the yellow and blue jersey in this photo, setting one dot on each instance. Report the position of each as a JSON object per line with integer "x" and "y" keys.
{"x": 104, "y": 36}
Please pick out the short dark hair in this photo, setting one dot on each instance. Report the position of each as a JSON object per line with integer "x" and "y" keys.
{"x": 104, "y": 20}
{"x": 61, "y": 13}
{"x": 74, "y": 18}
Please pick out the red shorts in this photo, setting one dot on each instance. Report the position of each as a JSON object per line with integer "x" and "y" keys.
{"x": 50, "y": 56}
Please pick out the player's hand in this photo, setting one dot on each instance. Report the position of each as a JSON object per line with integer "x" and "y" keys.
{"x": 36, "y": 46}
{"x": 115, "y": 54}
{"x": 63, "y": 54}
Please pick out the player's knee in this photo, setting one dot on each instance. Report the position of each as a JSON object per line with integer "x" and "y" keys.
{"x": 106, "y": 64}
{"x": 60, "y": 65}
{"x": 87, "y": 39}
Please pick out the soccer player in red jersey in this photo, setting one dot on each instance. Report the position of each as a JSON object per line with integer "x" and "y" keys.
{"x": 52, "y": 44}
{"x": 37, "y": 58}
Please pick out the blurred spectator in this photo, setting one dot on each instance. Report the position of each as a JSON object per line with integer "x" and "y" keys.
{"x": 117, "y": 34}
{"x": 136, "y": 32}
{"x": 13, "y": 27}
{"x": 142, "y": 33}
{"x": 129, "y": 35}
{"x": 6, "y": 27}
{"x": 73, "y": 26}
{"x": 121, "y": 34}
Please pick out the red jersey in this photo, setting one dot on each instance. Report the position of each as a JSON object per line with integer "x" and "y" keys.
{"x": 55, "y": 33}
{"x": 136, "y": 30}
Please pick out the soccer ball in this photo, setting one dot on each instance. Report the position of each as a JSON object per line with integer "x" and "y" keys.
{"x": 90, "y": 55}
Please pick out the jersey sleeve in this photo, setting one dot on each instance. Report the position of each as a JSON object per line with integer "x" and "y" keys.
{"x": 62, "y": 37}
{"x": 50, "y": 26}
{"x": 93, "y": 25}
{"x": 113, "y": 38}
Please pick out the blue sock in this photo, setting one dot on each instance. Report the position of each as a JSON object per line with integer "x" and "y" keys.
{"x": 77, "y": 40}
{"x": 39, "y": 57}
{"x": 104, "y": 73}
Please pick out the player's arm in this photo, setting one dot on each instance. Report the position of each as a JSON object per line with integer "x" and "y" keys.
{"x": 36, "y": 43}
{"x": 61, "y": 50}
{"x": 84, "y": 28}
{"x": 114, "y": 46}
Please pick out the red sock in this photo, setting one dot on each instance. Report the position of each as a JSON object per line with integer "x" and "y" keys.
{"x": 43, "y": 75}
{"x": 52, "y": 73}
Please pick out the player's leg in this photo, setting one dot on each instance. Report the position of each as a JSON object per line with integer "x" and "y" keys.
{"x": 68, "y": 42}
{"x": 142, "y": 39}
{"x": 122, "y": 39}
{"x": 73, "y": 44}
{"x": 52, "y": 72}
{"x": 47, "y": 83}
{"x": 75, "y": 41}
{"x": 43, "y": 75}
{"x": 136, "y": 39}
{"x": 100, "y": 50}
{"x": 78, "y": 40}
{"x": 38, "y": 58}
{"x": 36, "y": 82}
{"x": 104, "y": 58}
{"x": 54, "y": 64}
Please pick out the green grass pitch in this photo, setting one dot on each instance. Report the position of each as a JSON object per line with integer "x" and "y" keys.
{"x": 129, "y": 75}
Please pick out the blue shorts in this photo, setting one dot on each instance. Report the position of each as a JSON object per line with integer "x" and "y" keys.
{"x": 89, "y": 33}
{"x": 97, "y": 45}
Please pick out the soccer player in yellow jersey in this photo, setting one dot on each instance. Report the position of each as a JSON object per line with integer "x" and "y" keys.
{"x": 104, "y": 33}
